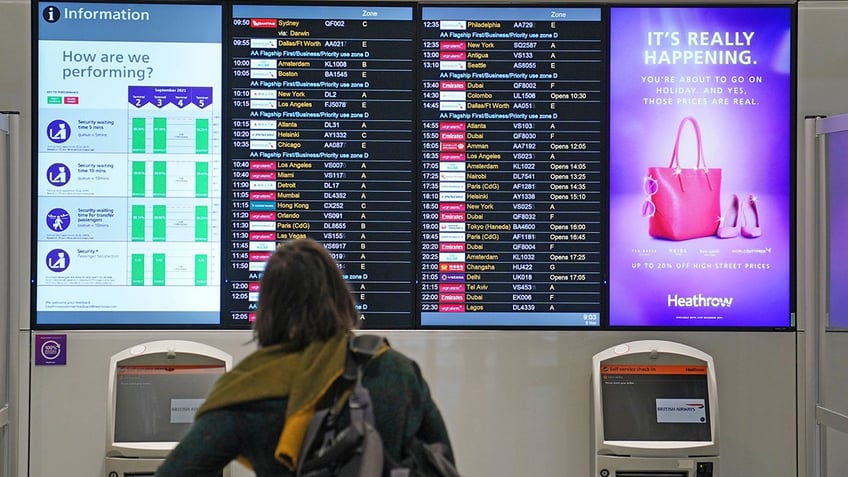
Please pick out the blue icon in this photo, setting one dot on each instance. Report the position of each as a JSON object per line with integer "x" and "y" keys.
{"x": 58, "y": 174}
{"x": 58, "y": 131}
{"x": 58, "y": 220}
{"x": 58, "y": 260}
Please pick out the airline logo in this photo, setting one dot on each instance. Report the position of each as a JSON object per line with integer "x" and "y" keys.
{"x": 263, "y": 23}
{"x": 183, "y": 410}
{"x": 685, "y": 411}
{"x": 451, "y": 237}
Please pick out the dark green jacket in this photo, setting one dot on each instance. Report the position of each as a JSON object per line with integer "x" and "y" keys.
{"x": 403, "y": 408}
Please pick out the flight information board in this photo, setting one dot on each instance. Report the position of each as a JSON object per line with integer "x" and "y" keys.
{"x": 322, "y": 146}
{"x": 467, "y": 166}
{"x": 512, "y": 166}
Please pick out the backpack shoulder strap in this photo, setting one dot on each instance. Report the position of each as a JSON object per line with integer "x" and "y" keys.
{"x": 361, "y": 348}
{"x": 348, "y": 389}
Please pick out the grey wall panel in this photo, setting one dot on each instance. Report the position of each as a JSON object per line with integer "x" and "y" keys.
{"x": 834, "y": 377}
{"x": 516, "y": 403}
{"x": 822, "y": 73}
{"x": 14, "y": 55}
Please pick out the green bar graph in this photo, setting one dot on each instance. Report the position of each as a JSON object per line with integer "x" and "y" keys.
{"x": 159, "y": 223}
{"x": 137, "y": 223}
{"x": 160, "y": 135}
{"x": 137, "y": 269}
{"x": 201, "y": 179}
{"x": 201, "y": 223}
{"x": 139, "y": 180}
{"x": 200, "y": 270}
{"x": 160, "y": 176}
{"x": 139, "y": 135}
{"x": 158, "y": 269}
{"x": 201, "y": 136}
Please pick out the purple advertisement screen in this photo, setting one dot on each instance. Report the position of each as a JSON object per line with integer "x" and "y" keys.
{"x": 837, "y": 144}
{"x": 700, "y": 161}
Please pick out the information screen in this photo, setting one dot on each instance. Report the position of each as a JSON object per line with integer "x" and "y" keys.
{"x": 128, "y": 175}
{"x": 655, "y": 403}
{"x": 467, "y": 166}
{"x": 322, "y": 146}
{"x": 512, "y": 166}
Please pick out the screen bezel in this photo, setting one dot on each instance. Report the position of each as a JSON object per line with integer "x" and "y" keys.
{"x": 604, "y": 323}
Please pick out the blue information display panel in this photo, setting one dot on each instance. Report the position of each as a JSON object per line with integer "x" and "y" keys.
{"x": 128, "y": 169}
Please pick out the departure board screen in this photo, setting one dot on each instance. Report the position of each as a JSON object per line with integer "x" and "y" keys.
{"x": 512, "y": 166}
{"x": 322, "y": 146}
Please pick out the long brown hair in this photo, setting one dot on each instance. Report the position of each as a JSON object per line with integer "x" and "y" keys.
{"x": 303, "y": 297}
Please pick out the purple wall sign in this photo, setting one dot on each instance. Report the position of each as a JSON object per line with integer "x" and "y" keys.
{"x": 51, "y": 350}
{"x": 693, "y": 248}
{"x": 837, "y": 145}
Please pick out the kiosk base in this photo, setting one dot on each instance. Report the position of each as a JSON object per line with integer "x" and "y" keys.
{"x": 138, "y": 467}
{"x": 131, "y": 467}
{"x": 626, "y": 466}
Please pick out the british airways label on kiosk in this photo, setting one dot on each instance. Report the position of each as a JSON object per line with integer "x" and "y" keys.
{"x": 681, "y": 411}
{"x": 183, "y": 410}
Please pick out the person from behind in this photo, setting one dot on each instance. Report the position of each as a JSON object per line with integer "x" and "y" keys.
{"x": 258, "y": 412}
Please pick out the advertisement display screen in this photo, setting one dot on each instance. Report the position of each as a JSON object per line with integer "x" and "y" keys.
{"x": 467, "y": 166}
{"x": 128, "y": 167}
{"x": 701, "y": 141}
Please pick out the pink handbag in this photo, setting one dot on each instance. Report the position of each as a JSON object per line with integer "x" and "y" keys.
{"x": 683, "y": 203}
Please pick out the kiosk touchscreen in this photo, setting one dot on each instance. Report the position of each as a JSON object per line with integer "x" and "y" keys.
{"x": 154, "y": 390}
{"x": 655, "y": 411}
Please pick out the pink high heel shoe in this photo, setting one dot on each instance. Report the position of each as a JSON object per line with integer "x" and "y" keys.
{"x": 728, "y": 227}
{"x": 753, "y": 230}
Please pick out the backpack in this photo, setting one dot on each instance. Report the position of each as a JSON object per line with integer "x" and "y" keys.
{"x": 357, "y": 450}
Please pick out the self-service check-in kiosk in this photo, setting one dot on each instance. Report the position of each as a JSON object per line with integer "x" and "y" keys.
{"x": 154, "y": 390}
{"x": 655, "y": 411}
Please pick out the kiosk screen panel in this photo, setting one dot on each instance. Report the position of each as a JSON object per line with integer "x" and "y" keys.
{"x": 655, "y": 403}
{"x": 157, "y": 403}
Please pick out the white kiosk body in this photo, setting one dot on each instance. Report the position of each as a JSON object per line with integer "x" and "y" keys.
{"x": 654, "y": 412}
{"x": 154, "y": 390}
